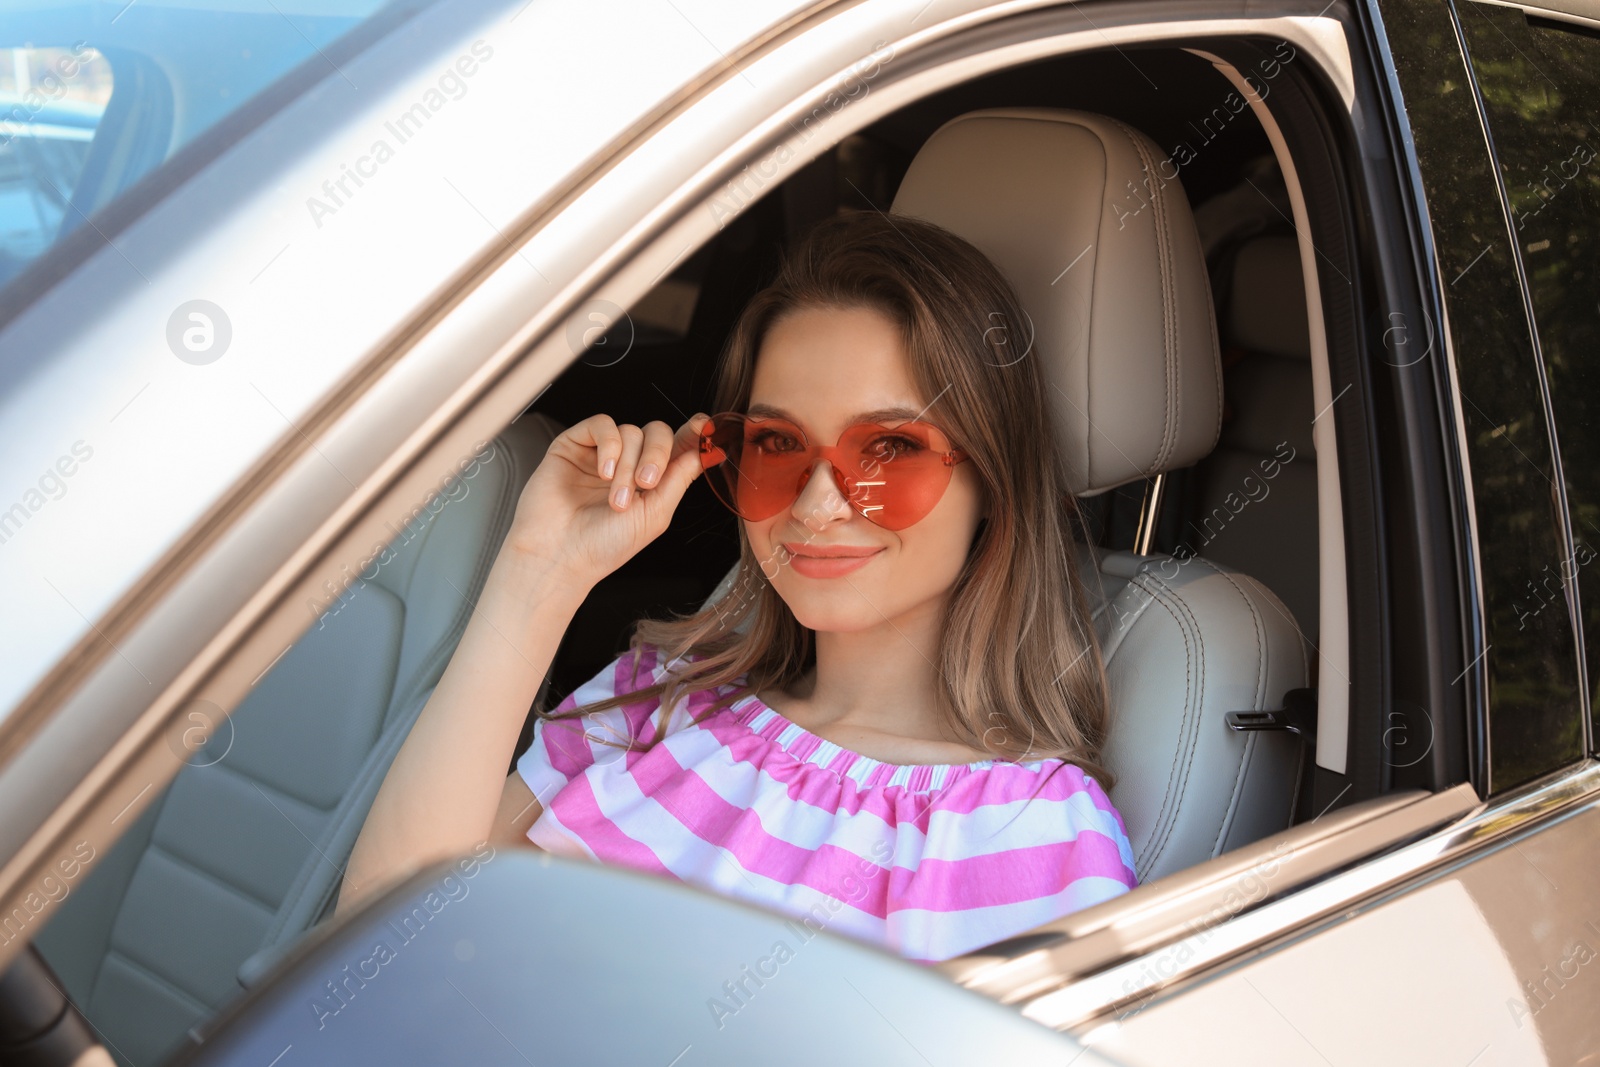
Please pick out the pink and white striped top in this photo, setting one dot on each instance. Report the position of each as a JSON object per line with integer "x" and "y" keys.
{"x": 927, "y": 860}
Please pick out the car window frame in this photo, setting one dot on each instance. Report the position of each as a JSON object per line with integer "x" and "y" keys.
{"x": 538, "y": 350}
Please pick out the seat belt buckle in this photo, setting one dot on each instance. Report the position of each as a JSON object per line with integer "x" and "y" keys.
{"x": 1298, "y": 716}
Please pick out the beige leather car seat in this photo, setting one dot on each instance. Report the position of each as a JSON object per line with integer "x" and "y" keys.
{"x": 1105, "y": 258}
{"x": 1246, "y": 518}
{"x": 245, "y": 849}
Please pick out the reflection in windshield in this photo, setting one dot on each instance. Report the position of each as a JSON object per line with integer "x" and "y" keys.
{"x": 95, "y": 96}
{"x": 51, "y": 100}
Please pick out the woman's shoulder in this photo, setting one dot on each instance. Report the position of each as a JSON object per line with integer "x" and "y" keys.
{"x": 1073, "y": 797}
{"x": 637, "y": 667}
{"x": 642, "y": 666}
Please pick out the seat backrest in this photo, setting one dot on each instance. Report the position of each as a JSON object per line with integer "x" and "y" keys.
{"x": 1074, "y": 208}
{"x": 1255, "y": 507}
{"x": 240, "y": 851}
{"x": 1100, "y": 242}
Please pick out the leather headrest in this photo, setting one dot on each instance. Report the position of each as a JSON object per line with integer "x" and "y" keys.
{"x": 1086, "y": 218}
{"x": 1267, "y": 304}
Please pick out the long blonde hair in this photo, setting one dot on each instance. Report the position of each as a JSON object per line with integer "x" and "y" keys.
{"x": 1025, "y": 678}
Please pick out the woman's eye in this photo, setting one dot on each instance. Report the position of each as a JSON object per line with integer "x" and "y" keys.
{"x": 771, "y": 442}
{"x": 896, "y": 445}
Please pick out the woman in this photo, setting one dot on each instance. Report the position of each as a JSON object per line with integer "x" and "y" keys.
{"x": 904, "y": 746}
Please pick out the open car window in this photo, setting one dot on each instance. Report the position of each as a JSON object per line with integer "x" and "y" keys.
{"x": 253, "y": 819}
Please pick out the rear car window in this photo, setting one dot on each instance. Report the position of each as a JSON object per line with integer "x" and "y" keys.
{"x": 1540, "y": 80}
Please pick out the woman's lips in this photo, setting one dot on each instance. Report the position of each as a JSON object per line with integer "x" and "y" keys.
{"x": 819, "y": 567}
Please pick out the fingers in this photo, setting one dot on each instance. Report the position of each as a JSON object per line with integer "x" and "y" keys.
{"x": 685, "y": 465}
{"x": 627, "y": 463}
{"x": 645, "y": 454}
{"x": 688, "y": 436}
{"x": 634, "y": 458}
{"x": 599, "y": 432}
{"x": 655, "y": 454}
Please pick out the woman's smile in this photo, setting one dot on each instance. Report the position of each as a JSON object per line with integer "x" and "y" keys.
{"x": 828, "y": 561}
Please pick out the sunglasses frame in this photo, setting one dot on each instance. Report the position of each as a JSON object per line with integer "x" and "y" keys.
{"x": 833, "y": 453}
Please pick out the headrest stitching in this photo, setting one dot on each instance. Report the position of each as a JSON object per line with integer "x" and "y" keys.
{"x": 1168, "y": 305}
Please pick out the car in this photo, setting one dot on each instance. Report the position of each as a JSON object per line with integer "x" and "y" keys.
{"x": 1313, "y": 284}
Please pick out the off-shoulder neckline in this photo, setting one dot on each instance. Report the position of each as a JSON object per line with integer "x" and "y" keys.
{"x": 755, "y": 713}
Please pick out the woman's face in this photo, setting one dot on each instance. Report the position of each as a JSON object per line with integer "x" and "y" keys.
{"x": 821, "y": 367}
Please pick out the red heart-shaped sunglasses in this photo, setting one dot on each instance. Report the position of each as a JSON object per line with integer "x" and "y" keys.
{"x": 891, "y": 473}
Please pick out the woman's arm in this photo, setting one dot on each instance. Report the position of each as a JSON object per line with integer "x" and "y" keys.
{"x": 601, "y": 493}
{"x": 519, "y": 810}
{"x": 444, "y": 788}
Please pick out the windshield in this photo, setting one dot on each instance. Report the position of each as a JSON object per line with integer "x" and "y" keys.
{"x": 94, "y": 96}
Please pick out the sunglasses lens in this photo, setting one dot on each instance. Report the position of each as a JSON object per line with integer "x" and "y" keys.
{"x": 753, "y": 467}
{"x": 892, "y": 474}
{"x": 898, "y": 471}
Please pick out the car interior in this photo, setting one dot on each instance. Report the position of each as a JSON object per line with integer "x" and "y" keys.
{"x": 1190, "y": 323}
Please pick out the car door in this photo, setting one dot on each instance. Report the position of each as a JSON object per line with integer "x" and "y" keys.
{"x": 484, "y": 327}
{"x": 1481, "y": 952}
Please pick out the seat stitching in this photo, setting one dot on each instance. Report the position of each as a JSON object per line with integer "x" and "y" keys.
{"x": 1164, "y": 824}
{"x": 1157, "y": 840}
{"x": 1194, "y": 713}
{"x": 1171, "y": 417}
{"x": 1260, "y": 698}
{"x": 1216, "y": 351}
{"x": 155, "y": 820}
{"x": 1190, "y": 722}
{"x": 138, "y": 965}
{"x": 181, "y": 861}
{"x": 1229, "y": 809}
{"x": 1255, "y": 618}
{"x": 276, "y": 787}
{"x": 123, "y": 950}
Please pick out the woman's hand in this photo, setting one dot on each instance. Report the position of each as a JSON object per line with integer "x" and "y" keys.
{"x": 602, "y": 493}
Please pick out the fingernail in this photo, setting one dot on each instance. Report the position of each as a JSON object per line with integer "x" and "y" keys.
{"x": 647, "y": 473}
{"x": 608, "y": 468}
{"x": 621, "y": 497}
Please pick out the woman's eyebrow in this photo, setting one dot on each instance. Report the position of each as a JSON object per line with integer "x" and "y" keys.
{"x": 770, "y": 411}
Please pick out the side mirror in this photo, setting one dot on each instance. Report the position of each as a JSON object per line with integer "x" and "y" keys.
{"x": 519, "y": 955}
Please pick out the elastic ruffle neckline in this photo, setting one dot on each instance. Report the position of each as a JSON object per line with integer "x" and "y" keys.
{"x": 772, "y": 725}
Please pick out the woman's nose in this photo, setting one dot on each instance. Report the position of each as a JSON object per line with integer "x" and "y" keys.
{"x": 821, "y": 499}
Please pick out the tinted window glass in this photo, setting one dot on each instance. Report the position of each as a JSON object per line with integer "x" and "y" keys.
{"x": 94, "y": 97}
{"x": 1530, "y": 660}
{"x": 51, "y": 101}
{"x": 1540, "y": 81}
